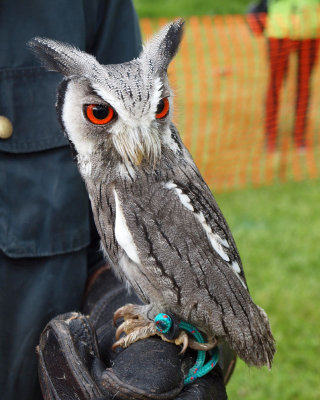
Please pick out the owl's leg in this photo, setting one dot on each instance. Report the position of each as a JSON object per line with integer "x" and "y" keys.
{"x": 137, "y": 329}
{"x": 136, "y": 325}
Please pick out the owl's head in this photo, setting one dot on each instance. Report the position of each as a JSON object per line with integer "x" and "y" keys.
{"x": 121, "y": 111}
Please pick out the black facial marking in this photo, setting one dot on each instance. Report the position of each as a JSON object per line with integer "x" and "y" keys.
{"x": 73, "y": 150}
{"x": 61, "y": 92}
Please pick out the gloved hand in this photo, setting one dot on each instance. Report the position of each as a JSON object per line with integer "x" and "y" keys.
{"x": 76, "y": 360}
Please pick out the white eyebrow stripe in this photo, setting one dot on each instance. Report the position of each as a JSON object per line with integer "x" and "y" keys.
{"x": 123, "y": 234}
{"x": 215, "y": 240}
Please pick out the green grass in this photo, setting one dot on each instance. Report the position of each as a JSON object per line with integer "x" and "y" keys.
{"x": 184, "y": 8}
{"x": 277, "y": 230}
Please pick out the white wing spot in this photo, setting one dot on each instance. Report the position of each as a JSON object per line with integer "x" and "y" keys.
{"x": 236, "y": 269}
{"x": 170, "y": 185}
{"x": 201, "y": 218}
{"x": 213, "y": 237}
{"x": 122, "y": 233}
{"x": 223, "y": 242}
{"x": 216, "y": 241}
{"x": 185, "y": 200}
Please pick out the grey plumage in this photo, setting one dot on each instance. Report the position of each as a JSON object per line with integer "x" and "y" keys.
{"x": 158, "y": 221}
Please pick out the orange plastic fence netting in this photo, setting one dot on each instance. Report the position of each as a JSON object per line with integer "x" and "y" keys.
{"x": 248, "y": 112}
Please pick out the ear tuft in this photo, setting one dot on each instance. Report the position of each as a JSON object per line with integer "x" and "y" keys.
{"x": 163, "y": 46}
{"x": 173, "y": 38}
{"x": 61, "y": 57}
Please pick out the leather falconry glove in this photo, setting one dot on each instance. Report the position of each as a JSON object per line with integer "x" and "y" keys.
{"x": 76, "y": 360}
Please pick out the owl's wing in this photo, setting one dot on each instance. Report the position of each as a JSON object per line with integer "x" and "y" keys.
{"x": 179, "y": 212}
{"x": 181, "y": 243}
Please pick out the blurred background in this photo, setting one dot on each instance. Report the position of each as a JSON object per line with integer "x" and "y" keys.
{"x": 251, "y": 121}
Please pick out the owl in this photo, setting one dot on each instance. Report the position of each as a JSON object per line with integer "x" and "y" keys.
{"x": 160, "y": 226}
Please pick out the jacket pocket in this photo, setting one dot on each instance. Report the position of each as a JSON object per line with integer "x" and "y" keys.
{"x": 44, "y": 207}
{"x": 28, "y": 100}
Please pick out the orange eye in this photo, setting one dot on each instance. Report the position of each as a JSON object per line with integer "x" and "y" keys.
{"x": 163, "y": 108}
{"x": 99, "y": 114}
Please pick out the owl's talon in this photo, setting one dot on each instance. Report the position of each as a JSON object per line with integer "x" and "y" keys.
{"x": 119, "y": 331}
{"x": 116, "y": 344}
{"x": 123, "y": 328}
{"x": 183, "y": 339}
{"x": 202, "y": 346}
{"x": 135, "y": 326}
{"x": 135, "y": 330}
{"x": 117, "y": 315}
{"x": 129, "y": 311}
{"x": 129, "y": 326}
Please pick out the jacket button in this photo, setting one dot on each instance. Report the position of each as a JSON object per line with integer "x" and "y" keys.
{"x": 6, "y": 128}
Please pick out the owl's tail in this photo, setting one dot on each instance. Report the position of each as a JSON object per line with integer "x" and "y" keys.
{"x": 256, "y": 345}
